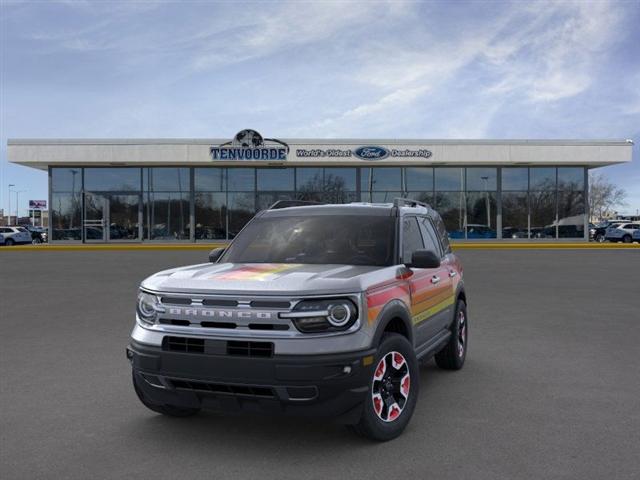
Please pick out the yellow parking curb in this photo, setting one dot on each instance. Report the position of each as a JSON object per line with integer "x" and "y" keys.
{"x": 209, "y": 246}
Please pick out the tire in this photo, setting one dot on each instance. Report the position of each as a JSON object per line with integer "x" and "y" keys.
{"x": 626, "y": 239}
{"x": 9, "y": 242}
{"x": 396, "y": 376}
{"x": 168, "y": 410}
{"x": 453, "y": 355}
{"x": 36, "y": 241}
{"x": 599, "y": 238}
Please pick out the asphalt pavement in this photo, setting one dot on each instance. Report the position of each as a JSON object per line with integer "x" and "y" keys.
{"x": 551, "y": 387}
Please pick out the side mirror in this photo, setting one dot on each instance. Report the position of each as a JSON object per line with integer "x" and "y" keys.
{"x": 215, "y": 254}
{"x": 424, "y": 259}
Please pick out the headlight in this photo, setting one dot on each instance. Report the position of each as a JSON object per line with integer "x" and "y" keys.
{"x": 147, "y": 308}
{"x": 323, "y": 315}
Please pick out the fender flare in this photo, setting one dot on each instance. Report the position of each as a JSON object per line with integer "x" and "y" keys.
{"x": 393, "y": 309}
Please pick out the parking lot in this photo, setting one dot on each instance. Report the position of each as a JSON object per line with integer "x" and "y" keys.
{"x": 551, "y": 387}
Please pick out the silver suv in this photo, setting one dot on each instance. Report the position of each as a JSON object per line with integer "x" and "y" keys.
{"x": 311, "y": 310}
{"x": 15, "y": 235}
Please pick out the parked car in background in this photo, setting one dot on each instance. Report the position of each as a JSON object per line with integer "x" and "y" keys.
{"x": 598, "y": 232}
{"x": 15, "y": 235}
{"x": 38, "y": 234}
{"x": 1, "y": 239}
{"x": 622, "y": 232}
{"x": 514, "y": 232}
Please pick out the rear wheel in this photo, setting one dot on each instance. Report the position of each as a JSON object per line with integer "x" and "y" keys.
{"x": 164, "y": 409}
{"x": 393, "y": 390}
{"x": 36, "y": 241}
{"x": 599, "y": 238}
{"x": 452, "y": 356}
{"x": 626, "y": 239}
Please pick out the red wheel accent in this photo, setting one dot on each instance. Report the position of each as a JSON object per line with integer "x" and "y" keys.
{"x": 394, "y": 412}
{"x": 380, "y": 369}
{"x": 391, "y": 385}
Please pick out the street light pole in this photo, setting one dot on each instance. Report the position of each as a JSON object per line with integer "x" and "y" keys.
{"x": 9, "y": 212}
{"x": 18, "y": 192}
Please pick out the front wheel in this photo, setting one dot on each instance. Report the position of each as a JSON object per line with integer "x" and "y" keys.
{"x": 9, "y": 242}
{"x": 169, "y": 410}
{"x": 36, "y": 241}
{"x": 626, "y": 239}
{"x": 599, "y": 238}
{"x": 393, "y": 390}
{"x": 452, "y": 356}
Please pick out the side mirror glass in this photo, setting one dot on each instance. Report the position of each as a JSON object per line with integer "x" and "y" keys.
{"x": 215, "y": 254}
{"x": 424, "y": 259}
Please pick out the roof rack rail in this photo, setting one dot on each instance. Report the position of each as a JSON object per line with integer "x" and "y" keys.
{"x": 407, "y": 202}
{"x": 293, "y": 203}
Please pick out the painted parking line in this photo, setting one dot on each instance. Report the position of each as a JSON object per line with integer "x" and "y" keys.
{"x": 209, "y": 246}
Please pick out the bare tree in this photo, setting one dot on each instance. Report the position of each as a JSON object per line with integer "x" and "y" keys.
{"x": 604, "y": 196}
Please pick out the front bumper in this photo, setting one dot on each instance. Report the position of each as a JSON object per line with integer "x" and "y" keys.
{"x": 318, "y": 385}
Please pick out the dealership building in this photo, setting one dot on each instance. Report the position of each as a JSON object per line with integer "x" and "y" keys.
{"x": 190, "y": 190}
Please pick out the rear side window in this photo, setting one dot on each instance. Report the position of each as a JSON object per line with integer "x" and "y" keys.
{"x": 430, "y": 237}
{"x": 21, "y": 229}
{"x": 411, "y": 238}
{"x": 442, "y": 233}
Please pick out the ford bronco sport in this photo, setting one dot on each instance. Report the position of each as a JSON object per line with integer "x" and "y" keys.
{"x": 318, "y": 310}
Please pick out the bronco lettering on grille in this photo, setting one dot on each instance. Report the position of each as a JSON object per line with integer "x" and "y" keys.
{"x": 214, "y": 313}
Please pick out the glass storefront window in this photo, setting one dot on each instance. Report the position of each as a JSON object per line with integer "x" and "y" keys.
{"x": 309, "y": 179}
{"x": 425, "y": 197}
{"x": 66, "y": 216}
{"x": 379, "y": 179}
{"x": 210, "y": 215}
{"x": 340, "y": 179}
{"x": 167, "y": 216}
{"x": 481, "y": 215}
{"x": 112, "y": 179}
{"x": 209, "y": 179}
{"x": 241, "y": 179}
{"x": 482, "y": 179}
{"x": 451, "y": 207}
{"x": 275, "y": 179}
{"x": 449, "y": 179}
{"x": 66, "y": 179}
{"x": 542, "y": 178}
{"x": 571, "y": 178}
{"x": 515, "y": 179}
{"x": 543, "y": 214}
{"x": 515, "y": 215}
{"x": 571, "y": 211}
{"x": 419, "y": 179}
{"x": 166, "y": 179}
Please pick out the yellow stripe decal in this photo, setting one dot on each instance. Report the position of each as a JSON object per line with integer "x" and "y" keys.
{"x": 422, "y": 316}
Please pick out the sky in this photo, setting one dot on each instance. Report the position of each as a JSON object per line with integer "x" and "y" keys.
{"x": 375, "y": 69}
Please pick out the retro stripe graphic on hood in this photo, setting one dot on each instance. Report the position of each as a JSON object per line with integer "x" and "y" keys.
{"x": 259, "y": 272}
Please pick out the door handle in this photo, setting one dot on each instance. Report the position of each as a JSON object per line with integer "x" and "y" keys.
{"x": 452, "y": 273}
{"x": 435, "y": 279}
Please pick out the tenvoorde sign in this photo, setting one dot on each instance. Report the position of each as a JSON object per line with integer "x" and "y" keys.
{"x": 249, "y": 145}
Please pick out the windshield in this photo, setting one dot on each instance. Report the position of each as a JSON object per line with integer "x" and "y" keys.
{"x": 339, "y": 239}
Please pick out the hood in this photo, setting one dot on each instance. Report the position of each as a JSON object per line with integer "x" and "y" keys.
{"x": 262, "y": 279}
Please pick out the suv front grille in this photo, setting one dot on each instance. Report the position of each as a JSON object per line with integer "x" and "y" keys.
{"x": 183, "y": 344}
{"x": 250, "y": 349}
{"x": 218, "y": 347}
{"x": 248, "y": 390}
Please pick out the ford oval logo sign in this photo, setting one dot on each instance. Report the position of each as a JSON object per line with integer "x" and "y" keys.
{"x": 371, "y": 153}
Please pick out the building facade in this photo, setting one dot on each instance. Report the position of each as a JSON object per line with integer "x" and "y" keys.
{"x": 207, "y": 189}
